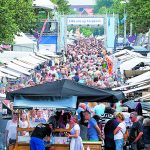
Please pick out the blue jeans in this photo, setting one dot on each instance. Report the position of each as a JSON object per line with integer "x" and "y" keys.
{"x": 36, "y": 144}
{"x": 119, "y": 144}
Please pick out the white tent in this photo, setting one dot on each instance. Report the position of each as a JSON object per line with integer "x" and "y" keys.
{"x": 137, "y": 89}
{"x": 143, "y": 77}
{"x": 23, "y": 43}
{"x": 7, "y": 71}
{"x": 7, "y": 75}
{"x": 128, "y": 65}
{"x": 22, "y": 64}
{"x": 47, "y": 4}
{"x": 18, "y": 68}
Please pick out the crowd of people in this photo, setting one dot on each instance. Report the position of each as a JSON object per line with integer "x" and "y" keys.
{"x": 85, "y": 61}
{"x": 86, "y": 124}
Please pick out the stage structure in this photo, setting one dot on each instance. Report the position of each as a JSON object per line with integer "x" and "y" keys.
{"x": 108, "y": 22}
{"x": 49, "y": 40}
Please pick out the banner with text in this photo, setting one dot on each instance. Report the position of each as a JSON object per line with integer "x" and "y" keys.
{"x": 85, "y": 21}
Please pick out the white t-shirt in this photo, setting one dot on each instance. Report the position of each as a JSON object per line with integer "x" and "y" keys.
{"x": 122, "y": 131}
{"x": 24, "y": 125}
{"x": 12, "y": 130}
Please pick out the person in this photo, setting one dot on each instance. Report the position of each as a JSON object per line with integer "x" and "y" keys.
{"x": 138, "y": 108}
{"x": 94, "y": 133}
{"x": 11, "y": 129}
{"x": 146, "y": 133}
{"x": 40, "y": 118}
{"x": 56, "y": 120}
{"x": 83, "y": 126}
{"x": 24, "y": 123}
{"x": 76, "y": 141}
{"x": 119, "y": 132}
{"x": 40, "y": 133}
{"x": 136, "y": 132}
{"x": 99, "y": 109}
{"x": 82, "y": 107}
{"x": 109, "y": 128}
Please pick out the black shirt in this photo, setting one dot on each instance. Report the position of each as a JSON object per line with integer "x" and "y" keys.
{"x": 41, "y": 131}
{"x": 135, "y": 130}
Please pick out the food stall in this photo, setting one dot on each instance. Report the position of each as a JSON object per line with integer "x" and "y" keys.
{"x": 59, "y": 94}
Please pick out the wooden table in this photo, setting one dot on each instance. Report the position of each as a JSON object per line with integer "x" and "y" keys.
{"x": 92, "y": 145}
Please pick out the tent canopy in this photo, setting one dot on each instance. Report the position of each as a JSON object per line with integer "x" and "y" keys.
{"x": 47, "y": 4}
{"x": 132, "y": 105}
{"x": 66, "y": 88}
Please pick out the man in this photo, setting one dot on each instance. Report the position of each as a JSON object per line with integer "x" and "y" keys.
{"x": 82, "y": 107}
{"x": 40, "y": 118}
{"x": 99, "y": 109}
{"x": 11, "y": 130}
{"x": 94, "y": 132}
{"x": 41, "y": 131}
{"x": 136, "y": 132}
{"x": 109, "y": 128}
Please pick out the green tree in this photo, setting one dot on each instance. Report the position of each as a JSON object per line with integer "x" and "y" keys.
{"x": 137, "y": 12}
{"x": 62, "y": 6}
{"x": 15, "y": 16}
{"x": 87, "y": 31}
{"x": 8, "y": 26}
{"x": 24, "y": 15}
{"x": 102, "y": 6}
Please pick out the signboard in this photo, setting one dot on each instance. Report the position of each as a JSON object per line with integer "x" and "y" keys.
{"x": 85, "y": 21}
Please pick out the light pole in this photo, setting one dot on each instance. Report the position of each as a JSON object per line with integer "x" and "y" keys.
{"x": 125, "y": 17}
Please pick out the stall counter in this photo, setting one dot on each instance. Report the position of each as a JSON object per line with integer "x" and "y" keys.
{"x": 92, "y": 145}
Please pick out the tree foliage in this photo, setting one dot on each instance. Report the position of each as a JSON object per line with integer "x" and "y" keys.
{"x": 62, "y": 6}
{"x": 15, "y": 16}
{"x": 102, "y": 6}
{"x": 138, "y": 12}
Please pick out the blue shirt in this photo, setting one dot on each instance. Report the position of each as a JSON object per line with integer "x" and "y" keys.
{"x": 92, "y": 132}
{"x": 41, "y": 120}
{"x": 99, "y": 109}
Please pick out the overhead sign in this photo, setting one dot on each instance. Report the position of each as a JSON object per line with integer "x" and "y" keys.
{"x": 85, "y": 21}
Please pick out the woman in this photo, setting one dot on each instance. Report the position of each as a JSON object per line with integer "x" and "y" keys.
{"x": 76, "y": 141}
{"x": 24, "y": 123}
{"x": 119, "y": 132}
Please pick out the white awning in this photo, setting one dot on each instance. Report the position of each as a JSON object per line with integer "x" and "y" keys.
{"x": 21, "y": 38}
{"x": 128, "y": 65}
{"x": 137, "y": 89}
{"x": 20, "y": 63}
{"x": 5, "y": 70}
{"x": 18, "y": 68}
{"x": 43, "y": 56}
{"x": 129, "y": 85}
{"x": 39, "y": 58}
{"x": 32, "y": 60}
{"x": 7, "y": 75}
{"x": 29, "y": 61}
{"x": 143, "y": 77}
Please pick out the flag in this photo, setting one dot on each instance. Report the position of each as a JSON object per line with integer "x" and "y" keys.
{"x": 42, "y": 30}
{"x": 41, "y": 33}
